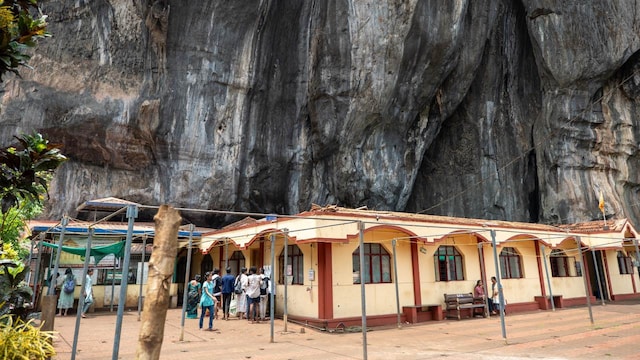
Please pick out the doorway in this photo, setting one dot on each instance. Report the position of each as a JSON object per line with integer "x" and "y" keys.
{"x": 601, "y": 290}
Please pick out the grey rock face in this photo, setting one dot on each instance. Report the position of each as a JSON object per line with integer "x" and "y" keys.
{"x": 515, "y": 110}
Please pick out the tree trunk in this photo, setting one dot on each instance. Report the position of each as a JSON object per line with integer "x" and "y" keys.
{"x": 161, "y": 265}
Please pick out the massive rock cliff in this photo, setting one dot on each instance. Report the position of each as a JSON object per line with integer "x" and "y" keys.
{"x": 517, "y": 110}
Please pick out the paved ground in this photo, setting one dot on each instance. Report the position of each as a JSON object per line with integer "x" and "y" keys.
{"x": 563, "y": 334}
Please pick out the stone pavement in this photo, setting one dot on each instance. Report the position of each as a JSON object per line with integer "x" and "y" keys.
{"x": 563, "y": 334}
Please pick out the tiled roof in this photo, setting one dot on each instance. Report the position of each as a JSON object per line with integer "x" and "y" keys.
{"x": 613, "y": 225}
{"x": 340, "y": 211}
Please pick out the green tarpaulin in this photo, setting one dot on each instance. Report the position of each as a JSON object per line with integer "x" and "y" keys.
{"x": 98, "y": 252}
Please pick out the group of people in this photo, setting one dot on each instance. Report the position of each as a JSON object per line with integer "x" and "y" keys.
{"x": 249, "y": 291}
{"x": 65, "y": 288}
{"x": 493, "y": 302}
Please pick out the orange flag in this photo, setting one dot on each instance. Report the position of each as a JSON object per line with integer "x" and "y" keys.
{"x": 601, "y": 203}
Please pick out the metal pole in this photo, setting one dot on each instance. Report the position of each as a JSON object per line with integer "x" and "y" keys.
{"x": 81, "y": 298}
{"x": 483, "y": 277}
{"x": 498, "y": 279}
{"x": 395, "y": 275}
{"x": 635, "y": 244}
{"x": 36, "y": 280}
{"x": 132, "y": 213}
{"x": 363, "y": 296}
{"x": 187, "y": 277}
{"x": 584, "y": 277}
{"x": 113, "y": 283}
{"x": 546, "y": 271}
{"x": 29, "y": 277}
{"x": 286, "y": 241}
{"x": 273, "y": 284}
{"x": 144, "y": 247}
{"x": 226, "y": 253}
{"x": 595, "y": 266}
{"x": 54, "y": 275}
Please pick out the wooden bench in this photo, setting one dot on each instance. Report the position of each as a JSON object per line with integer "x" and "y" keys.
{"x": 424, "y": 312}
{"x": 455, "y": 303}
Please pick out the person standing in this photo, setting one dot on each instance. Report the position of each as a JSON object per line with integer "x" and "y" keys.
{"x": 264, "y": 293}
{"x": 227, "y": 293}
{"x": 87, "y": 293}
{"x": 217, "y": 289}
{"x": 207, "y": 301}
{"x": 253, "y": 295}
{"x": 493, "y": 303}
{"x": 68, "y": 287}
{"x": 194, "y": 290}
{"x": 242, "y": 297}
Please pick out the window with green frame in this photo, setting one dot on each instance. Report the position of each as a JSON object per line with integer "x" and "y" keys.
{"x": 448, "y": 263}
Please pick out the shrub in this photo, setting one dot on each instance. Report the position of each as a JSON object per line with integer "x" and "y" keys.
{"x": 22, "y": 340}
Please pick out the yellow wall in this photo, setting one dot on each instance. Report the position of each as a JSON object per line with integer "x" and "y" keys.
{"x": 302, "y": 299}
{"x": 133, "y": 290}
{"x": 432, "y": 291}
{"x": 570, "y": 286}
{"x": 381, "y": 298}
{"x": 525, "y": 288}
{"x": 620, "y": 283}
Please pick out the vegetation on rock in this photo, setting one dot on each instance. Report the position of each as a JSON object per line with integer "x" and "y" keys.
{"x": 19, "y": 31}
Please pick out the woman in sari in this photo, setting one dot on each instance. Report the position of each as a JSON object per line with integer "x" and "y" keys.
{"x": 193, "y": 297}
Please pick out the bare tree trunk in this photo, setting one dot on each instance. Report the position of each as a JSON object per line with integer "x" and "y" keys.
{"x": 161, "y": 265}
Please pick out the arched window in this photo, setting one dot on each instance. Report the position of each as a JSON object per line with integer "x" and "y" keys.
{"x": 377, "y": 268}
{"x": 448, "y": 263}
{"x": 563, "y": 265}
{"x": 624, "y": 263}
{"x": 510, "y": 266}
{"x": 236, "y": 262}
{"x": 206, "y": 265}
{"x": 295, "y": 262}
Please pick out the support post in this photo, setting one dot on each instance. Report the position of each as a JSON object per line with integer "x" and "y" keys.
{"x": 273, "y": 284}
{"x": 498, "y": 280}
{"x": 226, "y": 253}
{"x": 595, "y": 267}
{"x": 635, "y": 244}
{"x": 395, "y": 275}
{"x": 546, "y": 271}
{"x": 54, "y": 275}
{"x": 286, "y": 259}
{"x": 113, "y": 283}
{"x": 363, "y": 296}
{"x": 584, "y": 277}
{"x": 187, "y": 277}
{"x": 483, "y": 277}
{"x": 144, "y": 247}
{"x": 82, "y": 297}
{"x": 49, "y": 301}
{"x": 132, "y": 213}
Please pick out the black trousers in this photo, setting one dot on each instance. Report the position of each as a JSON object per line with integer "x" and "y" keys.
{"x": 226, "y": 302}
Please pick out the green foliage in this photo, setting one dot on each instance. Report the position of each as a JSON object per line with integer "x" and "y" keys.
{"x": 25, "y": 173}
{"x": 15, "y": 293}
{"x": 19, "y": 31}
{"x": 13, "y": 222}
{"x": 22, "y": 340}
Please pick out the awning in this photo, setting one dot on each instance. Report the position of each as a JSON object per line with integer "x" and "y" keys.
{"x": 98, "y": 252}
